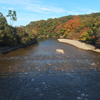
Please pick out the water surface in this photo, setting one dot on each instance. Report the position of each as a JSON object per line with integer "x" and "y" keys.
{"x": 38, "y": 72}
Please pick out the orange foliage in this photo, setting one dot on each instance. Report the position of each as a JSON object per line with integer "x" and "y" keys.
{"x": 71, "y": 24}
{"x": 59, "y": 26}
{"x": 93, "y": 36}
{"x": 82, "y": 30}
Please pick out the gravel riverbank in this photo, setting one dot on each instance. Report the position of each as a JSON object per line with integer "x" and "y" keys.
{"x": 79, "y": 44}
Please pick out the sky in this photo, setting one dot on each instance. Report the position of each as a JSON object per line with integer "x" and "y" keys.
{"x": 34, "y": 10}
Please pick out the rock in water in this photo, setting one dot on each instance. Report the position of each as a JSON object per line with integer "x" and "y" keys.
{"x": 60, "y": 51}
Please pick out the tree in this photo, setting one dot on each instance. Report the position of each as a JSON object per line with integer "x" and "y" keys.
{"x": 98, "y": 38}
{"x": 12, "y": 15}
{"x": 71, "y": 25}
{"x": 3, "y": 24}
{"x": 59, "y": 30}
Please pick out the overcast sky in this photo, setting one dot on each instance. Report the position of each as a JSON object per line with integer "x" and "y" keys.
{"x": 33, "y": 10}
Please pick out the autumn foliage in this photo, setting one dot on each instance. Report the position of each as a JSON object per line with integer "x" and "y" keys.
{"x": 85, "y": 28}
{"x": 71, "y": 25}
{"x": 80, "y": 27}
{"x": 59, "y": 26}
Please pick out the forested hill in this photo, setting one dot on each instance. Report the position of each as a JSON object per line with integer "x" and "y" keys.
{"x": 9, "y": 35}
{"x": 80, "y": 27}
{"x": 85, "y": 28}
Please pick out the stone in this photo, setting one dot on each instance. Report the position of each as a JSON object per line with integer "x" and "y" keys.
{"x": 32, "y": 79}
{"x": 41, "y": 94}
{"x": 60, "y": 51}
{"x": 43, "y": 82}
{"x": 37, "y": 89}
{"x": 79, "y": 98}
{"x": 93, "y": 64}
{"x": 83, "y": 95}
{"x": 58, "y": 93}
{"x": 78, "y": 91}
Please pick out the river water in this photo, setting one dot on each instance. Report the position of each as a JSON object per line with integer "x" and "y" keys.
{"x": 39, "y": 72}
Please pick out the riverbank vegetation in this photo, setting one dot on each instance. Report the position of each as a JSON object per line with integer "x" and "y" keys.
{"x": 11, "y": 36}
{"x": 84, "y": 28}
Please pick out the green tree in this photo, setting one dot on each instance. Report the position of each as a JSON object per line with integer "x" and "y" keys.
{"x": 3, "y": 24}
{"x": 12, "y": 15}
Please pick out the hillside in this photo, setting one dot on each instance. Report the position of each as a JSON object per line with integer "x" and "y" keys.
{"x": 85, "y": 28}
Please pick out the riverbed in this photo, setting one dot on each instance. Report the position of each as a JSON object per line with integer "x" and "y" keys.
{"x": 40, "y": 72}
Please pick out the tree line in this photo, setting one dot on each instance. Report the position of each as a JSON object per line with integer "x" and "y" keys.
{"x": 84, "y": 28}
{"x": 9, "y": 35}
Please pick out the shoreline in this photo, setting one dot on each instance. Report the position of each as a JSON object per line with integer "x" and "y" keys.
{"x": 79, "y": 44}
{"x": 7, "y": 49}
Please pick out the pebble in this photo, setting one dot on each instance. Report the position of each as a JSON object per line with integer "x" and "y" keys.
{"x": 9, "y": 66}
{"x": 32, "y": 80}
{"x": 93, "y": 64}
{"x": 78, "y": 91}
{"x": 36, "y": 67}
{"x": 37, "y": 89}
{"x": 86, "y": 59}
{"x": 43, "y": 82}
{"x": 39, "y": 70}
{"x": 12, "y": 57}
{"x": 79, "y": 98}
{"x": 41, "y": 94}
{"x": 25, "y": 57}
{"x": 83, "y": 95}
{"x": 86, "y": 95}
{"x": 58, "y": 93}
{"x": 72, "y": 70}
{"x": 78, "y": 61}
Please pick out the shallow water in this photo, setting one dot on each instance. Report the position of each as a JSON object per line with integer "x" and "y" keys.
{"x": 38, "y": 72}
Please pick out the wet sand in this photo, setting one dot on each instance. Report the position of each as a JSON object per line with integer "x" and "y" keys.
{"x": 79, "y": 44}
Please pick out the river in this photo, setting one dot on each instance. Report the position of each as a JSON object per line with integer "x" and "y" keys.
{"x": 39, "y": 72}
